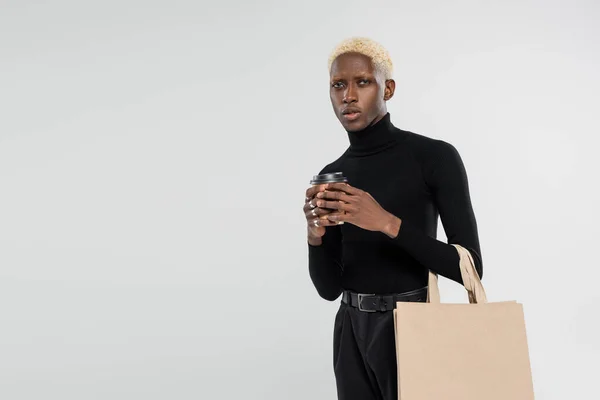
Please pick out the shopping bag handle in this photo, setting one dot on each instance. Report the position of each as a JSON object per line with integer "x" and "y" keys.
{"x": 470, "y": 277}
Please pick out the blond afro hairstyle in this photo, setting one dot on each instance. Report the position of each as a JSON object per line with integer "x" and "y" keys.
{"x": 380, "y": 57}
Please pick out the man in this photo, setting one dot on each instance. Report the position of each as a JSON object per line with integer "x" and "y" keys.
{"x": 399, "y": 182}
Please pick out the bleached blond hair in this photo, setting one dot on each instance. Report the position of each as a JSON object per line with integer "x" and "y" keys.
{"x": 378, "y": 54}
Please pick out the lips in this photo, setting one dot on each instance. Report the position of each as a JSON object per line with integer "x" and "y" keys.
{"x": 350, "y": 110}
{"x": 351, "y": 114}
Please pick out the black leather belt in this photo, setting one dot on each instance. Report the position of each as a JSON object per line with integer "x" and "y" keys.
{"x": 382, "y": 302}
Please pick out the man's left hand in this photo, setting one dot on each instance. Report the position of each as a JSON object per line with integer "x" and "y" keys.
{"x": 360, "y": 208}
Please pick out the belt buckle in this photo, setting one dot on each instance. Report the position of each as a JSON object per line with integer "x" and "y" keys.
{"x": 360, "y": 300}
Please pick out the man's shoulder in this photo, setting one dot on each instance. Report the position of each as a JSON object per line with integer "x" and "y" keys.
{"x": 421, "y": 140}
{"x": 427, "y": 147}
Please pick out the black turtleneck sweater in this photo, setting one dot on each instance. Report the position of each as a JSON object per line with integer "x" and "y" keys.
{"x": 417, "y": 179}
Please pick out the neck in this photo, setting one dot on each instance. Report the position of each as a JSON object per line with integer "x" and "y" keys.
{"x": 373, "y": 138}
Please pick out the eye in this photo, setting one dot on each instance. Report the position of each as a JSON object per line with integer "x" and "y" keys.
{"x": 364, "y": 81}
{"x": 336, "y": 84}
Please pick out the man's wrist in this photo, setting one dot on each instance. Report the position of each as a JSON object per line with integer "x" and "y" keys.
{"x": 392, "y": 226}
{"x": 314, "y": 240}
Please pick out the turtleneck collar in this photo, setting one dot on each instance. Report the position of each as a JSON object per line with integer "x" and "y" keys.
{"x": 374, "y": 138}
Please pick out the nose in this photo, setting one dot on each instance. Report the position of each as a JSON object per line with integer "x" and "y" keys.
{"x": 350, "y": 95}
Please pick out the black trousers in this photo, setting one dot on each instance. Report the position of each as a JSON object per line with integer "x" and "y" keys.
{"x": 364, "y": 355}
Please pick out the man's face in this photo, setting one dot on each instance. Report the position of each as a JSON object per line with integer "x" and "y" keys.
{"x": 357, "y": 92}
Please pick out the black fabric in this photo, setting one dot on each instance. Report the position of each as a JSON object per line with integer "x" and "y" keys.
{"x": 415, "y": 178}
{"x": 364, "y": 355}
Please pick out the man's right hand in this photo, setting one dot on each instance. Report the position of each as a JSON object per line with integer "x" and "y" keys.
{"x": 315, "y": 216}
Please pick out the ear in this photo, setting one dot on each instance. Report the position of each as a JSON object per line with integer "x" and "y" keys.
{"x": 390, "y": 87}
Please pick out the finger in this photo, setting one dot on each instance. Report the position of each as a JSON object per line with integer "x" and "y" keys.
{"x": 316, "y": 212}
{"x": 343, "y": 187}
{"x": 320, "y": 222}
{"x": 311, "y": 191}
{"x": 312, "y": 203}
{"x": 309, "y": 205}
{"x": 334, "y": 195}
{"x": 338, "y": 217}
{"x": 334, "y": 205}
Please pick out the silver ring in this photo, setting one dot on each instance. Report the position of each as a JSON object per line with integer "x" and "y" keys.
{"x": 316, "y": 222}
{"x": 311, "y": 205}
{"x": 314, "y": 212}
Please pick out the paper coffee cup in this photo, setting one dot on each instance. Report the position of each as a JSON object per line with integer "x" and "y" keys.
{"x": 330, "y": 177}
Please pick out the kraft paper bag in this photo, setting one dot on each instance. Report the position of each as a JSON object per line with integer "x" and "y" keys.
{"x": 474, "y": 351}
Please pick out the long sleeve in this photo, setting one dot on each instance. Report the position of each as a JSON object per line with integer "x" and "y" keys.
{"x": 447, "y": 179}
{"x": 325, "y": 263}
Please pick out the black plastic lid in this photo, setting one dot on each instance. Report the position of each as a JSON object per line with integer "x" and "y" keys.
{"x": 328, "y": 178}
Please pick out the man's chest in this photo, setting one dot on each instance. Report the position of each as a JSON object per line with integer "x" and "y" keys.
{"x": 395, "y": 182}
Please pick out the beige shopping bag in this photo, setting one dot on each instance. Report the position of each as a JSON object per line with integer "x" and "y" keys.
{"x": 474, "y": 351}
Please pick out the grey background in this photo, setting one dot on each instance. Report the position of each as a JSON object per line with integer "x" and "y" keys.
{"x": 153, "y": 162}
